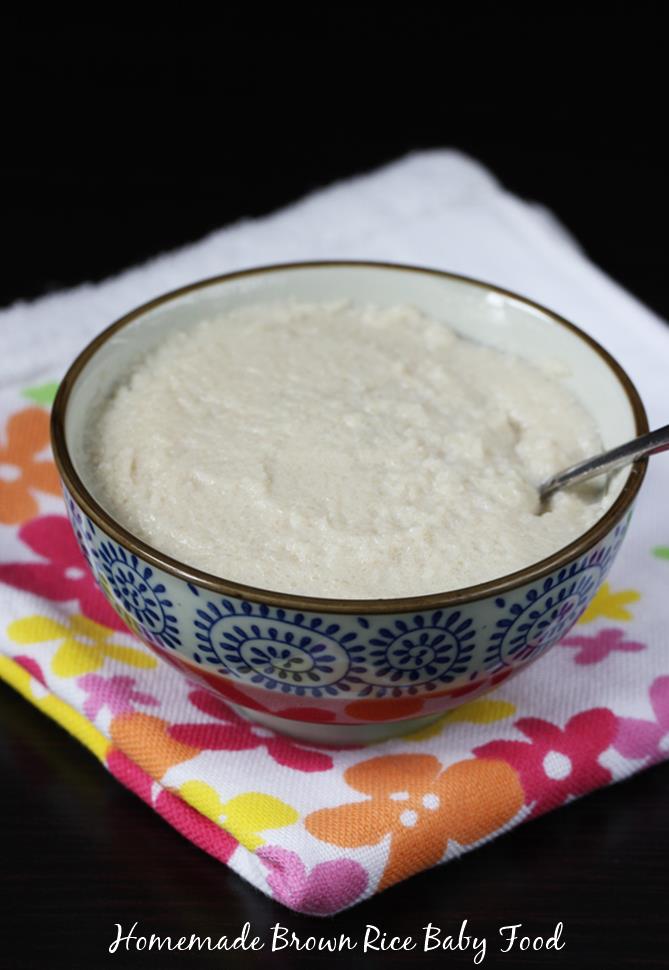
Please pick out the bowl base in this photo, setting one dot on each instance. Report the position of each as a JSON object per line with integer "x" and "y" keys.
{"x": 335, "y": 734}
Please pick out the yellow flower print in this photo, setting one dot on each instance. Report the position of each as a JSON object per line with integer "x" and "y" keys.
{"x": 244, "y": 815}
{"x": 482, "y": 711}
{"x": 85, "y": 644}
{"x": 612, "y": 606}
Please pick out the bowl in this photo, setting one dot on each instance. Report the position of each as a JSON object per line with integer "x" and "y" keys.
{"x": 347, "y": 671}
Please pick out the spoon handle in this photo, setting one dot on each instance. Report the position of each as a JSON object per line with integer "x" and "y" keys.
{"x": 647, "y": 444}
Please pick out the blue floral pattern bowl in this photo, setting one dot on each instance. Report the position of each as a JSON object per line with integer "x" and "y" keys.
{"x": 332, "y": 670}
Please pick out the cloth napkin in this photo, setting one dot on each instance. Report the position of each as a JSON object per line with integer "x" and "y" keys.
{"x": 320, "y": 829}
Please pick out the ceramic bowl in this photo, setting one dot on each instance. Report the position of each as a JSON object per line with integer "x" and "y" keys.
{"x": 330, "y": 670}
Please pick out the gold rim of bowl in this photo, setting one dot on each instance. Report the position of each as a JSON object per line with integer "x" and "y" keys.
{"x": 294, "y": 601}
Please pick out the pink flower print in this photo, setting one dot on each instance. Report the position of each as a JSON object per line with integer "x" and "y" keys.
{"x": 596, "y": 648}
{"x": 32, "y": 667}
{"x": 639, "y": 738}
{"x": 63, "y": 573}
{"x": 555, "y": 764}
{"x": 116, "y": 693}
{"x": 329, "y": 887}
{"x": 181, "y": 816}
{"x": 233, "y": 733}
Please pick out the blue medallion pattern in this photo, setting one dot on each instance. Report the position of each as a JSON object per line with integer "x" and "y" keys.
{"x": 548, "y": 610}
{"x": 423, "y": 650}
{"x": 84, "y": 529}
{"x": 358, "y": 656}
{"x": 131, "y": 583}
{"x": 277, "y": 649}
{"x": 281, "y": 650}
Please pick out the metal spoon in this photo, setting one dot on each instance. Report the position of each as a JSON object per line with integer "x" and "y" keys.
{"x": 647, "y": 444}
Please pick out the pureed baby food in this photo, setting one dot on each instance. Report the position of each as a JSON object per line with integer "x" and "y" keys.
{"x": 342, "y": 450}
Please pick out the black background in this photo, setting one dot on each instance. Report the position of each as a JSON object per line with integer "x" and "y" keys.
{"x": 122, "y": 140}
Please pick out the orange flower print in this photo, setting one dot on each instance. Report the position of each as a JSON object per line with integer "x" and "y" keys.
{"x": 145, "y": 739}
{"x": 421, "y": 807}
{"x": 21, "y": 472}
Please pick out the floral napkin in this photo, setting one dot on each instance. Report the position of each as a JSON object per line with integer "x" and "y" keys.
{"x": 321, "y": 829}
